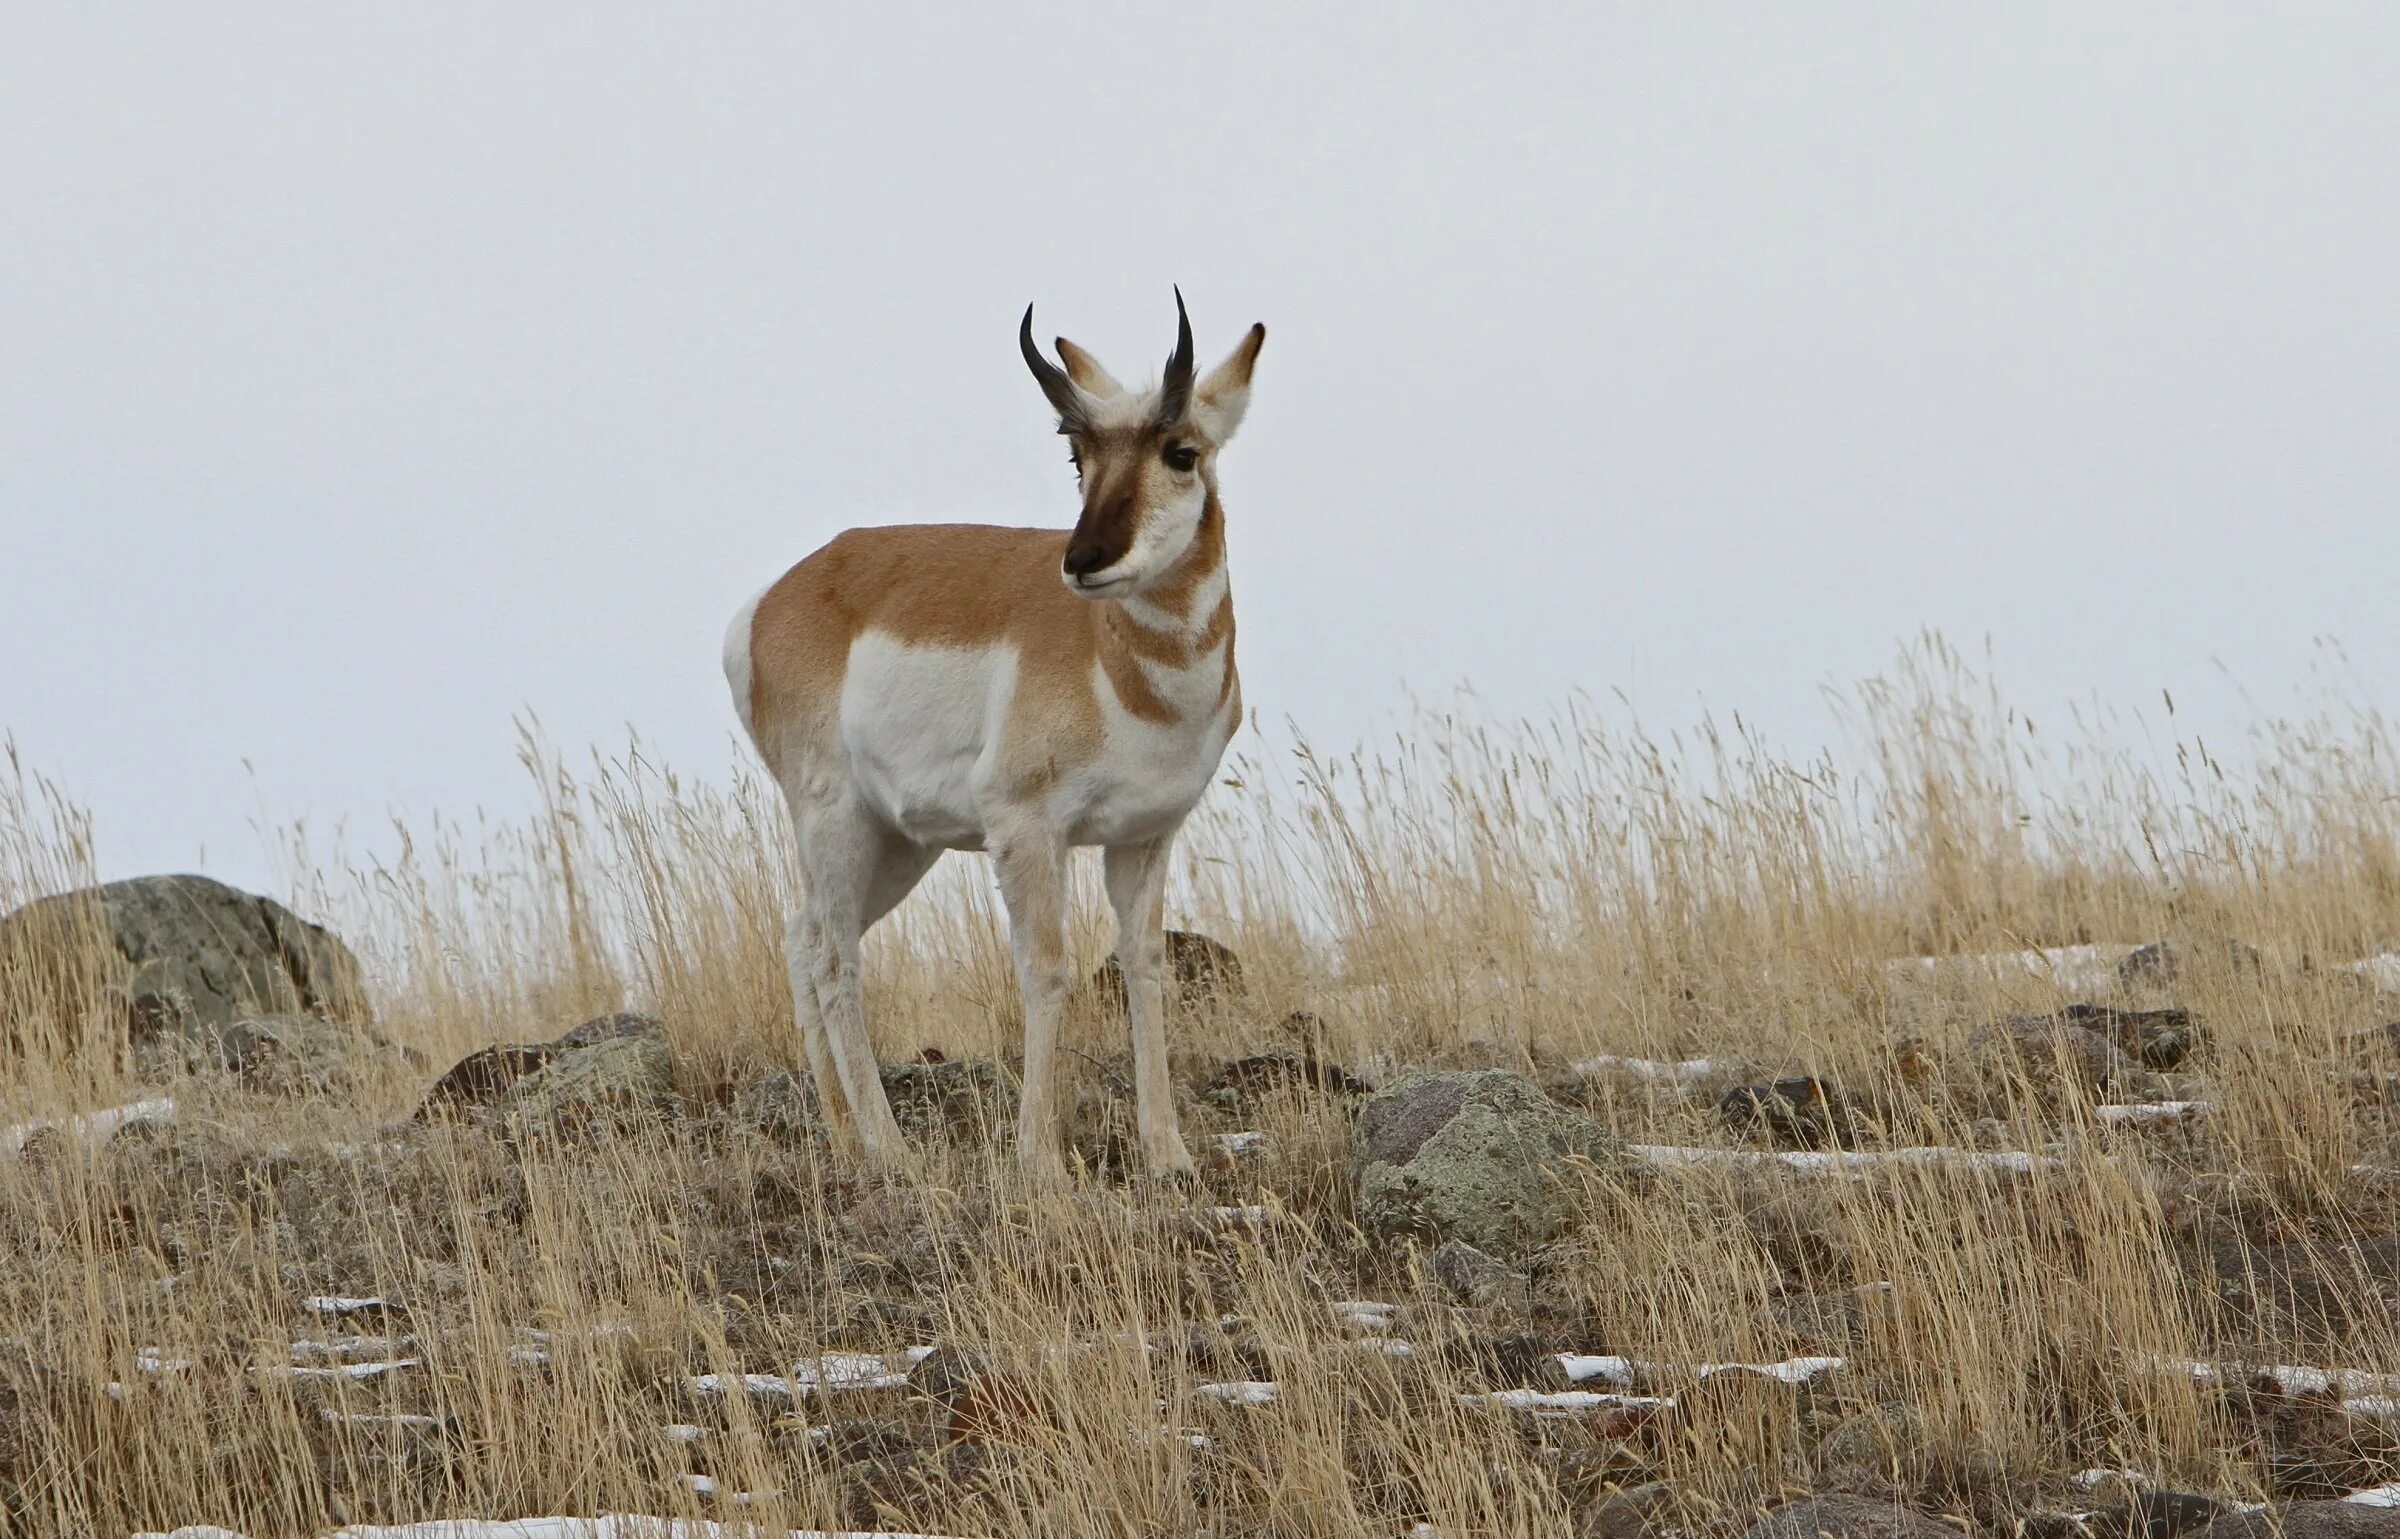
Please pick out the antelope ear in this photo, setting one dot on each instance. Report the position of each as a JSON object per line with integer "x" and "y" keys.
{"x": 1085, "y": 370}
{"x": 1220, "y": 400}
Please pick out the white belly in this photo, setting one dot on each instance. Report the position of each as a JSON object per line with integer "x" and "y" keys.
{"x": 920, "y": 725}
{"x": 915, "y": 721}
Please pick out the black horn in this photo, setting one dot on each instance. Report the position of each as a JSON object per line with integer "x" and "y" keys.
{"x": 1053, "y": 380}
{"x": 1175, "y": 391}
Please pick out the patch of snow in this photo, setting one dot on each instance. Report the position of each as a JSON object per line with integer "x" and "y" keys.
{"x": 1364, "y": 1314}
{"x": 1254, "y": 1213}
{"x": 93, "y": 1127}
{"x": 2154, "y": 1111}
{"x": 1580, "y": 1367}
{"x": 1571, "y": 1402}
{"x": 1848, "y": 1161}
{"x": 1242, "y": 1392}
{"x": 1792, "y": 1370}
{"x": 819, "y": 1375}
{"x": 410, "y": 1421}
{"x": 152, "y": 1360}
{"x": 683, "y": 1432}
{"x": 350, "y": 1349}
{"x": 2376, "y": 1496}
{"x": 2072, "y": 969}
{"x": 2382, "y": 970}
{"x": 1688, "y": 1071}
{"x": 351, "y": 1371}
{"x": 1249, "y": 1141}
{"x": 337, "y": 1307}
{"x": 1624, "y": 1371}
{"x": 1388, "y": 1346}
{"x": 708, "y": 1486}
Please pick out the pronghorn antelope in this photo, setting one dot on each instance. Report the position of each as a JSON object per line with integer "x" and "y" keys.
{"x": 1023, "y": 691}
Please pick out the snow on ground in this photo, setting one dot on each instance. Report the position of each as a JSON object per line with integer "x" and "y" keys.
{"x": 1242, "y": 1392}
{"x": 1367, "y": 1315}
{"x": 1625, "y": 1372}
{"x": 93, "y": 1127}
{"x": 1850, "y": 1161}
{"x": 1689, "y": 1071}
{"x": 1566, "y": 1402}
{"x": 2075, "y": 969}
{"x": 2382, "y": 970}
{"x": 2153, "y": 1111}
{"x": 2376, "y": 1496}
{"x": 817, "y": 1375}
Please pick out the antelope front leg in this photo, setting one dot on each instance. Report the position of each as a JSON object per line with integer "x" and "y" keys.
{"x": 1033, "y": 883}
{"x": 1137, "y": 886}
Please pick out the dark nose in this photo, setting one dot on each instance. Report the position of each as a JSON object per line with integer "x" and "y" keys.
{"x": 1085, "y": 557}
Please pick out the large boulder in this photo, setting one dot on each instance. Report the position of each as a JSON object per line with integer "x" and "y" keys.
{"x": 1480, "y": 1156}
{"x": 189, "y": 958}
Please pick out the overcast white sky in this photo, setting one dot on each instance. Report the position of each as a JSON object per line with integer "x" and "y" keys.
{"x": 371, "y": 373}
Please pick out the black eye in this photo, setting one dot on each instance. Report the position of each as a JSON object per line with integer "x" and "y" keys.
{"x": 1180, "y": 456}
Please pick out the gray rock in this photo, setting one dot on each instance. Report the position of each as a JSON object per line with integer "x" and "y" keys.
{"x": 1472, "y": 1277}
{"x": 782, "y": 1106}
{"x": 489, "y": 1076}
{"x": 1198, "y": 969}
{"x": 188, "y": 957}
{"x": 1848, "y": 1517}
{"x": 1884, "y": 1447}
{"x": 1632, "y": 1513}
{"x": 2164, "y": 962}
{"x": 1480, "y": 1156}
{"x": 612, "y": 1084}
{"x": 968, "y": 1097}
{"x": 2156, "y": 1515}
{"x": 2053, "y": 1053}
{"x": 2308, "y": 1520}
{"x": 301, "y": 1054}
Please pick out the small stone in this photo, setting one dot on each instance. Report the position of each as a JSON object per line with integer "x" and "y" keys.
{"x": 1472, "y": 1277}
{"x": 1796, "y": 1112}
{"x": 1632, "y": 1513}
{"x": 2164, "y": 962}
{"x": 1198, "y": 969}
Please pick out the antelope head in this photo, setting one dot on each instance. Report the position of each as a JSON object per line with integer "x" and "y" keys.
{"x": 1146, "y": 459}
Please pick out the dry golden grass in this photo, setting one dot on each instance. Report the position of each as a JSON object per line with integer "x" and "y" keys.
{"x": 1529, "y": 895}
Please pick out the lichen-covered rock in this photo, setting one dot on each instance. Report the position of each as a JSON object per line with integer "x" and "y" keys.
{"x": 187, "y": 957}
{"x": 1479, "y": 1156}
{"x": 1848, "y": 1517}
{"x": 302, "y": 1054}
{"x": 969, "y": 1097}
{"x": 613, "y": 1083}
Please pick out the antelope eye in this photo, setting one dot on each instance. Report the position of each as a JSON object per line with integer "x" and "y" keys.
{"x": 1180, "y": 456}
